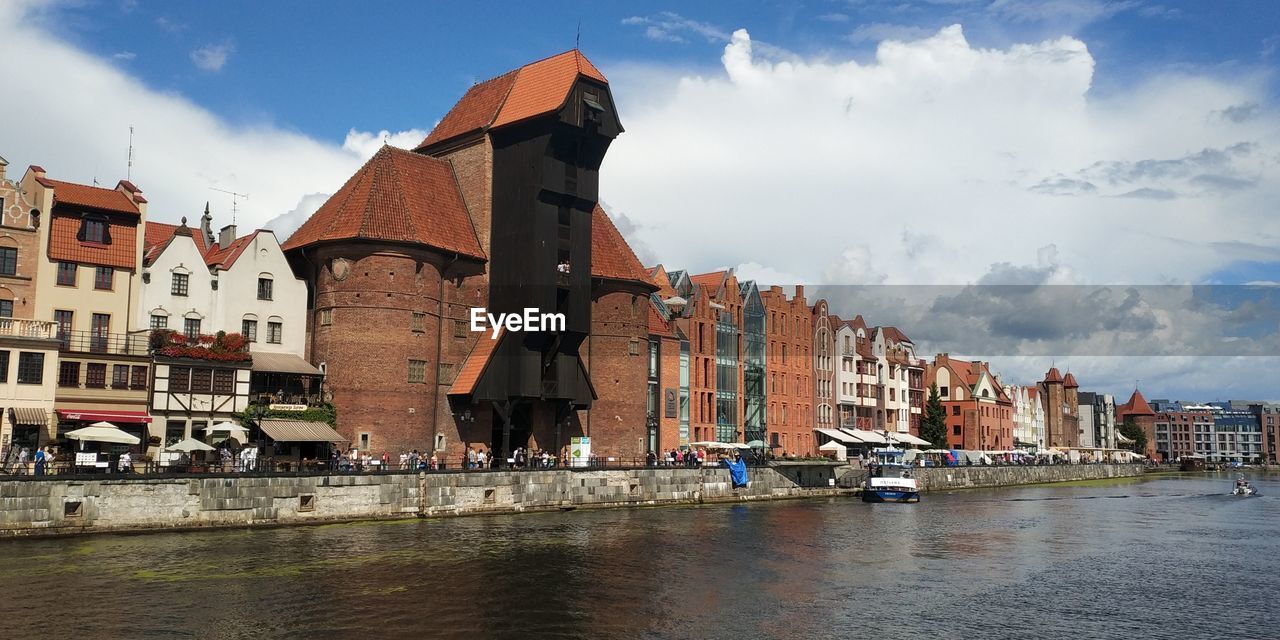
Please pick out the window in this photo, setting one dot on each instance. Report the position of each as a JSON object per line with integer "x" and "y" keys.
{"x": 249, "y": 329}
{"x": 460, "y": 329}
{"x": 95, "y": 375}
{"x": 159, "y": 322}
{"x": 445, "y": 373}
{"x": 178, "y": 286}
{"x": 955, "y": 429}
{"x": 101, "y": 330}
{"x": 275, "y": 331}
{"x": 264, "y": 288}
{"x": 67, "y": 274}
{"x": 326, "y": 317}
{"x": 179, "y": 378}
{"x": 633, "y": 347}
{"x": 69, "y": 374}
{"x": 174, "y": 432}
{"x": 6, "y": 308}
{"x": 955, "y": 410}
{"x": 139, "y": 375}
{"x": 201, "y": 380}
{"x": 8, "y": 261}
{"x": 4, "y": 366}
{"x": 191, "y": 327}
{"x": 419, "y": 323}
{"x": 102, "y": 277}
{"x": 417, "y": 371}
{"x": 94, "y": 231}
{"x": 119, "y": 376}
{"x": 224, "y": 381}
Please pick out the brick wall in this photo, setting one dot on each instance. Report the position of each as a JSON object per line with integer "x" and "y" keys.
{"x": 617, "y": 357}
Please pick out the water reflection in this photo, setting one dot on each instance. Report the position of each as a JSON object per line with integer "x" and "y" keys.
{"x": 1127, "y": 557}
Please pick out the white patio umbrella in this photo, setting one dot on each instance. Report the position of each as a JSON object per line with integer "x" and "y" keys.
{"x": 232, "y": 429}
{"x": 103, "y": 432}
{"x": 189, "y": 445}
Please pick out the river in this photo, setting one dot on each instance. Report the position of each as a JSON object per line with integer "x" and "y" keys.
{"x": 1157, "y": 556}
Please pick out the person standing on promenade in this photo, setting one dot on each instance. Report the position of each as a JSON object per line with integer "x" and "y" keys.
{"x": 482, "y": 459}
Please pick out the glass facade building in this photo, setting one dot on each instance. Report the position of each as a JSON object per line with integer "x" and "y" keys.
{"x": 727, "y": 358}
{"x": 753, "y": 363}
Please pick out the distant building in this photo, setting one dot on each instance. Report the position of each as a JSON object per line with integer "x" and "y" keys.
{"x": 825, "y": 415}
{"x": 1236, "y": 436}
{"x": 857, "y": 377}
{"x": 1183, "y": 429}
{"x": 1060, "y": 401}
{"x": 1142, "y": 415}
{"x": 979, "y": 413}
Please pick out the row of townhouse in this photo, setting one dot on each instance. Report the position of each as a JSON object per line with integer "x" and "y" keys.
{"x": 86, "y": 282}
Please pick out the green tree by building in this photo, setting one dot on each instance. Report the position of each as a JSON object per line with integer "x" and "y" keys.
{"x": 934, "y": 426}
{"x": 1130, "y": 429}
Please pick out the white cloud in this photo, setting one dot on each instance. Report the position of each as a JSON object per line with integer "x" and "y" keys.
{"x": 124, "y": 56}
{"x": 365, "y": 144}
{"x": 939, "y": 159}
{"x": 834, "y": 17}
{"x": 180, "y": 149}
{"x": 213, "y": 57}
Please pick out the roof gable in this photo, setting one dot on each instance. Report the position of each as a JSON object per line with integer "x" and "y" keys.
{"x": 611, "y": 256}
{"x": 79, "y": 195}
{"x": 533, "y": 90}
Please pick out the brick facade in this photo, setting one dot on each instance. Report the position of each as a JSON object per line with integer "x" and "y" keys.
{"x": 18, "y": 230}
{"x": 789, "y": 369}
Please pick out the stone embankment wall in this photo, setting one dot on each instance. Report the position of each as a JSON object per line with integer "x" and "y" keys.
{"x": 943, "y": 478}
{"x": 57, "y": 506}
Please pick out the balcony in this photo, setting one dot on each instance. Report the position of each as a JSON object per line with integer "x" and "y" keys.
{"x": 115, "y": 344}
{"x": 21, "y": 328}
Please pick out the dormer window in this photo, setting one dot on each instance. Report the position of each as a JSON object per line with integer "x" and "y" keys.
{"x": 94, "y": 229}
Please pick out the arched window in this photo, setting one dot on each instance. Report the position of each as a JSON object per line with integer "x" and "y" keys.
{"x": 265, "y": 286}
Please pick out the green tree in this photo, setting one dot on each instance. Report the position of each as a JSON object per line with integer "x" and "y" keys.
{"x": 934, "y": 426}
{"x": 1130, "y": 429}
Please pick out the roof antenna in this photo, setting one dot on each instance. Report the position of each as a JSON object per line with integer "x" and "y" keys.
{"x": 577, "y": 38}
{"x": 234, "y": 196}
{"x": 128, "y": 173}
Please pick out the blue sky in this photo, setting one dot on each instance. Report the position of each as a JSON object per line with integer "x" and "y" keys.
{"x": 325, "y": 67}
{"x": 942, "y": 142}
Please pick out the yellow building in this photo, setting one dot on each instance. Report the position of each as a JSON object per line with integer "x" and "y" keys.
{"x": 88, "y": 283}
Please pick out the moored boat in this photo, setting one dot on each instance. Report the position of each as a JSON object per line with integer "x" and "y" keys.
{"x": 889, "y": 480}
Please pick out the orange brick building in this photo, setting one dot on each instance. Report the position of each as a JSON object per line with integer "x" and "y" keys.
{"x": 1142, "y": 415}
{"x": 789, "y": 370}
{"x": 979, "y": 414}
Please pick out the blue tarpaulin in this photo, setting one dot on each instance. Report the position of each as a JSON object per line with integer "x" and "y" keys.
{"x": 737, "y": 472}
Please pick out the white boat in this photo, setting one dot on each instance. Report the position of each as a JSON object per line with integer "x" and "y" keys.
{"x": 1243, "y": 488}
{"x": 890, "y": 480}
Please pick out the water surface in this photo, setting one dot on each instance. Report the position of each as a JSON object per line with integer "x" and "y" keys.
{"x": 1167, "y": 556}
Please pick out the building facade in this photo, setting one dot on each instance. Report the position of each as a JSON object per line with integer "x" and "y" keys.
{"x": 1138, "y": 411}
{"x": 979, "y": 414}
{"x": 88, "y": 282}
{"x": 788, "y": 368}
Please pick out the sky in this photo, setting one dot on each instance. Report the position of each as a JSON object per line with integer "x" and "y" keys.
{"x": 906, "y": 160}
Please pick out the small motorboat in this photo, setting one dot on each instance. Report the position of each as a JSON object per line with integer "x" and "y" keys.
{"x": 1243, "y": 488}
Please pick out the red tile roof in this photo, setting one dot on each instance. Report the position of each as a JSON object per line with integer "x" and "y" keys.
{"x": 157, "y": 236}
{"x": 1136, "y": 406}
{"x": 465, "y": 383}
{"x": 711, "y": 280}
{"x": 79, "y": 195}
{"x": 657, "y": 325}
{"x": 397, "y": 196}
{"x": 64, "y": 247}
{"x": 224, "y": 257}
{"x": 535, "y": 89}
{"x": 1070, "y": 382}
{"x": 1053, "y": 375}
{"x": 611, "y": 256}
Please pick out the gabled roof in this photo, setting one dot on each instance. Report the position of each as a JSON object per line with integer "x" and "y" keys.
{"x": 80, "y": 195}
{"x": 1070, "y": 382}
{"x": 535, "y": 89}
{"x": 611, "y": 256}
{"x": 465, "y": 382}
{"x": 711, "y": 281}
{"x": 224, "y": 257}
{"x": 157, "y": 236}
{"x": 397, "y": 196}
{"x": 657, "y": 325}
{"x": 1053, "y": 375}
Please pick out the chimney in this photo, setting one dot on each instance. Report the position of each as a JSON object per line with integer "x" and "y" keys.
{"x": 799, "y": 291}
{"x": 3, "y": 163}
{"x": 226, "y": 236}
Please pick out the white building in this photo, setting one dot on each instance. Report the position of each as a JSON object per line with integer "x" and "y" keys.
{"x": 196, "y": 284}
{"x": 1028, "y": 415}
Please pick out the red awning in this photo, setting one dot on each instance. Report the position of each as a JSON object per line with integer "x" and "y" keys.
{"x": 109, "y": 416}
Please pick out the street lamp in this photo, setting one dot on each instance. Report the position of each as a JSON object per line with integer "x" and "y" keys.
{"x": 256, "y": 412}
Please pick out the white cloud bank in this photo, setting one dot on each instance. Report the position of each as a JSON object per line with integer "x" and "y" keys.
{"x": 180, "y": 149}
{"x": 937, "y": 160}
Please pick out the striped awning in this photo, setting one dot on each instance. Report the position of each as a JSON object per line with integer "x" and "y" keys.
{"x": 29, "y": 416}
{"x": 838, "y": 436}
{"x": 299, "y": 431}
